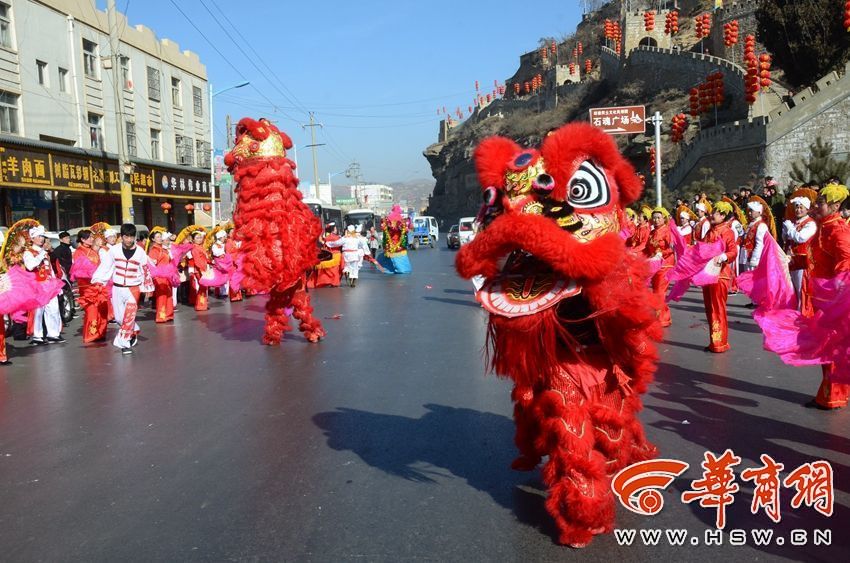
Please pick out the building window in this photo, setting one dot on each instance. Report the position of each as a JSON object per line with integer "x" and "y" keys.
{"x": 197, "y": 100}
{"x": 202, "y": 149}
{"x": 90, "y": 58}
{"x": 8, "y": 113}
{"x": 41, "y": 70}
{"x": 176, "y": 93}
{"x": 153, "y": 84}
{"x": 5, "y": 25}
{"x": 131, "y": 139}
{"x": 156, "y": 151}
{"x": 126, "y": 75}
{"x": 63, "y": 79}
{"x": 184, "y": 149}
{"x": 96, "y": 131}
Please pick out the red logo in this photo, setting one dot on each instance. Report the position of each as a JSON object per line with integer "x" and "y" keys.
{"x": 637, "y": 486}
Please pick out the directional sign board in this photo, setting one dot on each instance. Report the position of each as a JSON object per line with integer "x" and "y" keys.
{"x": 626, "y": 120}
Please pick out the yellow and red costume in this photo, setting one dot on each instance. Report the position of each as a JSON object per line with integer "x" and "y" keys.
{"x": 831, "y": 255}
{"x": 163, "y": 301}
{"x": 95, "y": 312}
{"x": 660, "y": 244}
{"x": 715, "y": 295}
{"x": 232, "y": 249}
{"x": 198, "y": 262}
{"x": 328, "y": 273}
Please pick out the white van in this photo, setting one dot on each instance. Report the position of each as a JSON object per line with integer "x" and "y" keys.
{"x": 466, "y": 229}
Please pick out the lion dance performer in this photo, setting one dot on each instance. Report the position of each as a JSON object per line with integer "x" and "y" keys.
{"x": 395, "y": 226}
{"x": 277, "y": 230}
{"x": 572, "y": 321}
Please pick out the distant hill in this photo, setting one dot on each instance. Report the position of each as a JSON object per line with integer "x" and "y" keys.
{"x": 412, "y": 191}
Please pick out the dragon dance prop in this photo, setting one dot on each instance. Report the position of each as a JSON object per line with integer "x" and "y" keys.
{"x": 571, "y": 320}
{"x": 278, "y": 232}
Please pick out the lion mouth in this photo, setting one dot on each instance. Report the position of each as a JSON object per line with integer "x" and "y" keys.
{"x": 525, "y": 286}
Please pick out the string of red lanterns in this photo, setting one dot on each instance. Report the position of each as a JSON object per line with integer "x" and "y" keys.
{"x": 764, "y": 71}
{"x": 588, "y": 66}
{"x": 678, "y": 128}
{"x": 730, "y": 33}
{"x": 703, "y": 25}
{"x": 671, "y": 23}
{"x": 751, "y": 82}
{"x": 847, "y": 15}
{"x": 652, "y": 161}
{"x": 649, "y": 20}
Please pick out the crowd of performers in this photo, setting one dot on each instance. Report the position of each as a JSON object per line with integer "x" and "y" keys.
{"x": 793, "y": 267}
{"x": 114, "y": 271}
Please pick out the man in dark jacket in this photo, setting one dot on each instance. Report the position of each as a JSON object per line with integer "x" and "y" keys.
{"x": 62, "y": 253}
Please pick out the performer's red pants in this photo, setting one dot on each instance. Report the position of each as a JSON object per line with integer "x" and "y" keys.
{"x": 95, "y": 317}
{"x": 659, "y": 287}
{"x": 163, "y": 299}
{"x": 3, "y": 357}
{"x": 201, "y": 294}
{"x": 715, "y": 296}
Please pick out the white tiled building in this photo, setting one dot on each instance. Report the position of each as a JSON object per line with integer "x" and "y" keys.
{"x": 57, "y": 106}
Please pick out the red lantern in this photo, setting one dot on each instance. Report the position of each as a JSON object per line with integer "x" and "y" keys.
{"x": 516, "y": 87}
{"x": 847, "y": 15}
{"x": 190, "y": 208}
{"x": 679, "y": 126}
{"x": 575, "y": 53}
{"x": 580, "y": 49}
{"x": 588, "y": 66}
{"x": 572, "y": 68}
{"x": 527, "y": 87}
{"x": 165, "y": 206}
{"x": 671, "y": 26}
{"x": 207, "y": 207}
{"x": 554, "y": 48}
{"x": 764, "y": 73}
{"x": 694, "y": 102}
{"x": 649, "y": 20}
{"x": 609, "y": 29}
{"x": 652, "y": 160}
{"x": 730, "y": 33}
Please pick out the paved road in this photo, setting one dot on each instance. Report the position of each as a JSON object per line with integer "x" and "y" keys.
{"x": 387, "y": 441}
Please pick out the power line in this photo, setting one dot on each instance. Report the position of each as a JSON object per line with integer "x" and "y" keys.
{"x": 241, "y": 50}
{"x": 224, "y": 58}
{"x": 259, "y": 57}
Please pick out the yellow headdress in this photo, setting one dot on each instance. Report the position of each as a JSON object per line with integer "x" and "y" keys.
{"x": 645, "y": 211}
{"x": 187, "y": 232}
{"x": 724, "y": 207}
{"x": 834, "y": 193}
{"x": 664, "y": 212}
{"x": 630, "y": 213}
{"x": 687, "y": 211}
{"x": 739, "y": 213}
{"x": 808, "y": 193}
{"x": 16, "y": 231}
{"x": 705, "y": 205}
{"x": 154, "y": 231}
{"x": 766, "y": 213}
{"x": 98, "y": 230}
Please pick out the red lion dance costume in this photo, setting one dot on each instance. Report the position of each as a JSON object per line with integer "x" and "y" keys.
{"x": 572, "y": 321}
{"x": 278, "y": 232}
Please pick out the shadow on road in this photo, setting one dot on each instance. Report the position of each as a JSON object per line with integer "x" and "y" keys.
{"x": 472, "y": 445}
{"x": 454, "y": 301}
{"x": 719, "y": 420}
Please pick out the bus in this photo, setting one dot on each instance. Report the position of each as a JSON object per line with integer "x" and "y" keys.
{"x": 363, "y": 219}
{"x": 326, "y": 213}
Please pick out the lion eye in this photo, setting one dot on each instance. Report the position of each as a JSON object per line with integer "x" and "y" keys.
{"x": 589, "y": 187}
{"x": 543, "y": 183}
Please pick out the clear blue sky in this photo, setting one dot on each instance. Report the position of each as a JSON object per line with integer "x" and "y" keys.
{"x": 373, "y": 72}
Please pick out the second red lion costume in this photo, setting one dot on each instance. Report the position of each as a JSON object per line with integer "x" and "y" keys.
{"x": 572, "y": 321}
{"x": 277, "y": 231}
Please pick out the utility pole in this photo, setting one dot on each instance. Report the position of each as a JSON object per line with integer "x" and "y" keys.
{"x": 229, "y": 126}
{"x": 118, "y": 87}
{"x": 656, "y": 120}
{"x": 353, "y": 172}
{"x": 313, "y": 145}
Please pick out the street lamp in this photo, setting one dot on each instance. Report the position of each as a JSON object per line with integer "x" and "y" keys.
{"x": 212, "y": 144}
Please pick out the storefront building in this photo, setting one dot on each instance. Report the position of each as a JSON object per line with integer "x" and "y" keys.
{"x": 61, "y": 123}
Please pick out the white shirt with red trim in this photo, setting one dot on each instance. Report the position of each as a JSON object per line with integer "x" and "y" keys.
{"x": 119, "y": 269}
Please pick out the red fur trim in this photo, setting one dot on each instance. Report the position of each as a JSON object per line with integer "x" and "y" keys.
{"x": 277, "y": 322}
{"x": 278, "y": 232}
{"x": 546, "y": 241}
{"x": 492, "y": 157}
{"x": 563, "y": 147}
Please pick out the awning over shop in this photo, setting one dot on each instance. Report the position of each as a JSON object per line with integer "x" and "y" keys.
{"x": 29, "y": 164}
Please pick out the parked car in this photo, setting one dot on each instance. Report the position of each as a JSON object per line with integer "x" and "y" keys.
{"x": 466, "y": 229}
{"x": 453, "y": 238}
